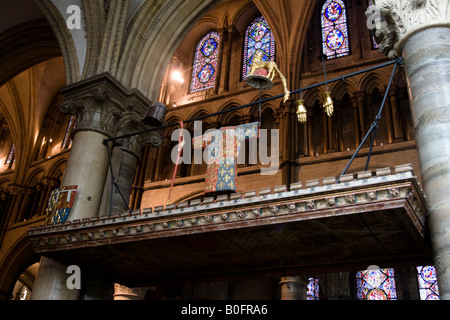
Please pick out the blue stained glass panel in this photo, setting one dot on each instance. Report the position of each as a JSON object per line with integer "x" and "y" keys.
{"x": 258, "y": 37}
{"x": 205, "y": 63}
{"x": 312, "y": 289}
{"x": 378, "y": 284}
{"x": 335, "y": 39}
{"x": 428, "y": 285}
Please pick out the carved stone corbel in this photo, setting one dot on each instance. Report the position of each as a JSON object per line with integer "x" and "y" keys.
{"x": 395, "y": 20}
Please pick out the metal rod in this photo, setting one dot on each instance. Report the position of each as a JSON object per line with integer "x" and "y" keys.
{"x": 322, "y": 58}
{"x": 371, "y": 147}
{"x": 374, "y": 124}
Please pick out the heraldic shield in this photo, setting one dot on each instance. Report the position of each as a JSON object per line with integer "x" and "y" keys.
{"x": 60, "y": 204}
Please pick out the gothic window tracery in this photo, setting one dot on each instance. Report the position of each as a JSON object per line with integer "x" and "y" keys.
{"x": 335, "y": 35}
{"x": 205, "y": 62}
{"x": 258, "y": 37}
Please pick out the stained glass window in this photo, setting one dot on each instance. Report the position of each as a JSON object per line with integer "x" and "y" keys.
{"x": 376, "y": 284}
{"x": 312, "y": 289}
{"x": 205, "y": 62}
{"x": 375, "y": 45}
{"x": 258, "y": 37}
{"x": 10, "y": 157}
{"x": 335, "y": 42}
{"x": 70, "y": 126}
{"x": 428, "y": 286}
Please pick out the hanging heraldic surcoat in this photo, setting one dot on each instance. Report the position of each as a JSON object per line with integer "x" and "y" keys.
{"x": 223, "y": 148}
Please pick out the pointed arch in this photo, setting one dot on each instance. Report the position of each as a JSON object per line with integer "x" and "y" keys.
{"x": 227, "y": 118}
{"x": 339, "y": 89}
{"x": 372, "y": 81}
{"x": 19, "y": 257}
{"x": 152, "y": 40}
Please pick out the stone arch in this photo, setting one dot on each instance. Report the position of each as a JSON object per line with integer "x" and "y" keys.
{"x": 373, "y": 80}
{"x": 154, "y": 38}
{"x": 34, "y": 176}
{"x": 226, "y": 118}
{"x": 312, "y": 96}
{"x": 254, "y": 109}
{"x": 202, "y": 111}
{"x": 4, "y": 182}
{"x": 56, "y": 171}
{"x": 244, "y": 15}
{"x": 19, "y": 257}
{"x": 339, "y": 89}
{"x": 26, "y": 45}
{"x": 66, "y": 42}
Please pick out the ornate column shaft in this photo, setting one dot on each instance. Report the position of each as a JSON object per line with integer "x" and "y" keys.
{"x": 419, "y": 32}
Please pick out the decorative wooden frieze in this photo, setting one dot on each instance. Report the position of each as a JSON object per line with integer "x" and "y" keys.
{"x": 221, "y": 213}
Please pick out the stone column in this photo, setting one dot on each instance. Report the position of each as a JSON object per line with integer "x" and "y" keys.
{"x": 293, "y": 288}
{"x": 125, "y": 159}
{"x": 99, "y": 104}
{"x": 356, "y": 121}
{"x": 50, "y": 283}
{"x": 97, "y": 114}
{"x": 362, "y": 117}
{"x": 419, "y": 32}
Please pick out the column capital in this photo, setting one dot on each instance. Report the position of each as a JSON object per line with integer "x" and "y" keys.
{"x": 122, "y": 292}
{"x": 102, "y": 104}
{"x": 394, "y": 21}
{"x": 130, "y": 123}
{"x": 99, "y": 102}
{"x": 303, "y": 280}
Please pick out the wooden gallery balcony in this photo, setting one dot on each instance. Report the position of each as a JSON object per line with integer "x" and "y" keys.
{"x": 315, "y": 227}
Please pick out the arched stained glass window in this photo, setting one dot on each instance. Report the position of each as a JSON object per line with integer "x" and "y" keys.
{"x": 376, "y": 284}
{"x": 205, "y": 62}
{"x": 335, "y": 41}
{"x": 258, "y": 37}
{"x": 428, "y": 286}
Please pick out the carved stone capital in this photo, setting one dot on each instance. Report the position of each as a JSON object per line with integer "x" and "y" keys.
{"x": 94, "y": 110}
{"x": 394, "y": 21}
{"x": 102, "y": 104}
{"x": 99, "y": 102}
{"x": 124, "y": 293}
{"x": 130, "y": 123}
